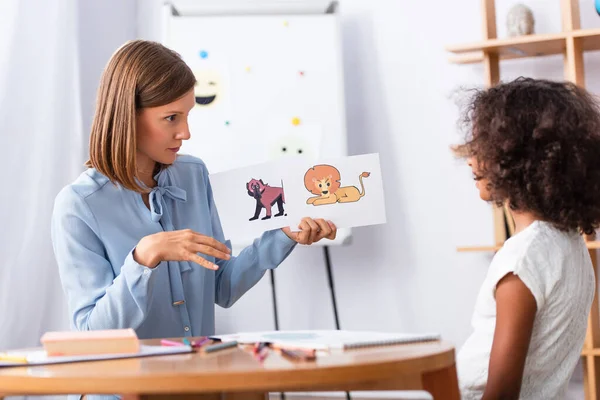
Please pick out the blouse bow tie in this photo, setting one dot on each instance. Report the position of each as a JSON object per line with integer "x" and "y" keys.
{"x": 157, "y": 200}
{"x": 160, "y": 213}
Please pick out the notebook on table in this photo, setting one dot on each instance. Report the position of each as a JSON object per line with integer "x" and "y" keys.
{"x": 329, "y": 340}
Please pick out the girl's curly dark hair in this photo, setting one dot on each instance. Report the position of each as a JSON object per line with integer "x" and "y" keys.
{"x": 537, "y": 142}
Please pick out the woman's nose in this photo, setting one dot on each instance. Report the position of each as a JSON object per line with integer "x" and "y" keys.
{"x": 184, "y": 133}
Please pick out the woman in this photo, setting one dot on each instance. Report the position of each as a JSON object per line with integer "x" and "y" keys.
{"x": 137, "y": 236}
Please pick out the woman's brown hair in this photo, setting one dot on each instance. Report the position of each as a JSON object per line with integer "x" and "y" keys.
{"x": 139, "y": 74}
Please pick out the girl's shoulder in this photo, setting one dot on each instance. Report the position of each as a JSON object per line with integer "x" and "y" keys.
{"x": 543, "y": 257}
{"x": 542, "y": 239}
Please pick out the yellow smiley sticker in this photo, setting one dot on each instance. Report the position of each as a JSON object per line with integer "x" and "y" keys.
{"x": 209, "y": 87}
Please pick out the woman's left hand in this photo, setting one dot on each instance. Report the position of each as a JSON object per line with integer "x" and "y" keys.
{"x": 312, "y": 230}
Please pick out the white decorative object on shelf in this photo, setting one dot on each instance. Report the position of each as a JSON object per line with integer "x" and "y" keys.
{"x": 519, "y": 21}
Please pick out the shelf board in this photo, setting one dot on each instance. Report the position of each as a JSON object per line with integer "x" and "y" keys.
{"x": 590, "y": 352}
{"x": 474, "y": 58}
{"x": 590, "y": 38}
{"x": 523, "y": 46}
{"x": 478, "y": 248}
{"x": 592, "y": 244}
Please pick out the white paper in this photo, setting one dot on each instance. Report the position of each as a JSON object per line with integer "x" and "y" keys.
{"x": 240, "y": 217}
{"x": 325, "y": 339}
{"x": 283, "y": 195}
{"x": 359, "y": 201}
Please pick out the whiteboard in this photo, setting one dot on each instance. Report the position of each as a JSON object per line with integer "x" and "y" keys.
{"x": 269, "y": 86}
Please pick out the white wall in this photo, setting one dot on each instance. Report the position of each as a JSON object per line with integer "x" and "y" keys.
{"x": 406, "y": 275}
{"x": 103, "y": 27}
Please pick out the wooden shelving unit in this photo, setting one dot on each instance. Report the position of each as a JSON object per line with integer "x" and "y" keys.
{"x": 591, "y": 244}
{"x": 571, "y": 42}
{"x": 524, "y": 46}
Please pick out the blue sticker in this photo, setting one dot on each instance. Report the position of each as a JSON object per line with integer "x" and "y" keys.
{"x": 203, "y": 54}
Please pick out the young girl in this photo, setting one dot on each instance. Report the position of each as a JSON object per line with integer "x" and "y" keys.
{"x": 137, "y": 236}
{"x": 535, "y": 145}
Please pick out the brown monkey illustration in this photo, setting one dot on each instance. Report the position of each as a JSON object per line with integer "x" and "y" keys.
{"x": 266, "y": 196}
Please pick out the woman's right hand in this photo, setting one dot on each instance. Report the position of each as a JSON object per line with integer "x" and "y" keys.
{"x": 182, "y": 245}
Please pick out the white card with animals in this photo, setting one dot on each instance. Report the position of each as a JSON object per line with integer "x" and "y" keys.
{"x": 258, "y": 198}
{"x": 347, "y": 191}
{"x": 251, "y": 200}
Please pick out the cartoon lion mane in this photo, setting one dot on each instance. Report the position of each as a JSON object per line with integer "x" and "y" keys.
{"x": 319, "y": 172}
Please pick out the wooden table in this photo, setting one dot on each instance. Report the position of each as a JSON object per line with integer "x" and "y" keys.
{"x": 236, "y": 374}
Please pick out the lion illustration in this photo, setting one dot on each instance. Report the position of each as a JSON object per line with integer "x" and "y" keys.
{"x": 324, "y": 181}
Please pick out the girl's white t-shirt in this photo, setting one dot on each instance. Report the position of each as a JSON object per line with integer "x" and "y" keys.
{"x": 557, "y": 269}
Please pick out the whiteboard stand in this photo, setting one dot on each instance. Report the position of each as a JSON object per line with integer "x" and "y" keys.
{"x": 331, "y": 286}
{"x": 273, "y": 293}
